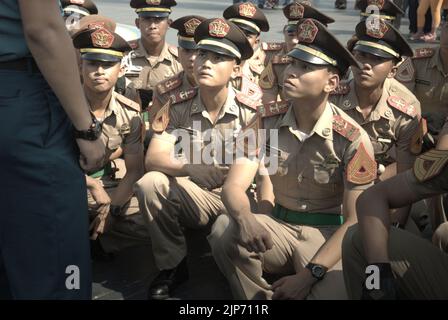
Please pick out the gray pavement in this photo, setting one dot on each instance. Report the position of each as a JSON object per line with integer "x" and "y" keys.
{"x": 128, "y": 275}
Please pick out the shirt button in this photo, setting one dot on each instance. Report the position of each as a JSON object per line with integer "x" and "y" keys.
{"x": 346, "y": 104}
{"x": 388, "y": 113}
{"x": 194, "y": 108}
{"x": 326, "y": 132}
{"x": 302, "y": 206}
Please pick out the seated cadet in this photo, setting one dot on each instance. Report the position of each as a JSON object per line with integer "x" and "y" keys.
{"x": 252, "y": 21}
{"x": 381, "y": 105}
{"x": 184, "y": 80}
{"x": 185, "y": 192}
{"x": 406, "y": 266}
{"x": 325, "y": 160}
{"x": 426, "y": 74}
{"x": 271, "y": 80}
{"x": 111, "y": 204}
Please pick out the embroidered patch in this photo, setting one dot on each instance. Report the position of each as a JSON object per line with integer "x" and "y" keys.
{"x": 161, "y": 119}
{"x": 377, "y": 28}
{"x": 424, "y": 53}
{"x": 342, "y": 89}
{"x": 102, "y": 38}
{"x": 247, "y": 101}
{"x": 430, "y": 164}
{"x": 345, "y": 128}
{"x": 267, "y": 78}
{"x": 169, "y": 84}
{"x": 307, "y": 31}
{"x": 362, "y": 168}
{"x": 406, "y": 71}
{"x": 247, "y": 9}
{"x": 272, "y": 109}
{"x": 183, "y": 96}
{"x": 218, "y": 28}
{"x": 271, "y": 46}
{"x": 281, "y": 59}
{"x": 378, "y": 3}
{"x": 153, "y": 2}
{"x": 296, "y": 11}
{"x": 401, "y": 105}
{"x": 250, "y": 89}
{"x": 191, "y": 25}
{"x": 247, "y": 141}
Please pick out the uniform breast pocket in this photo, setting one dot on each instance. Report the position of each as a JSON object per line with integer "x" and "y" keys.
{"x": 114, "y": 142}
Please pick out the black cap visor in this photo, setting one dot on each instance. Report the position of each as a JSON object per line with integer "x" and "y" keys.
{"x": 153, "y": 14}
{"x": 186, "y": 44}
{"x": 374, "y": 51}
{"x": 95, "y": 56}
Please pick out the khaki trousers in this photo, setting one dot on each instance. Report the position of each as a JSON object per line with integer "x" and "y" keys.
{"x": 293, "y": 248}
{"x": 419, "y": 267}
{"x": 169, "y": 204}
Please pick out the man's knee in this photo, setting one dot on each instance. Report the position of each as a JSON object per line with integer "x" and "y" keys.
{"x": 350, "y": 244}
{"x": 152, "y": 184}
{"x": 223, "y": 236}
{"x": 440, "y": 237}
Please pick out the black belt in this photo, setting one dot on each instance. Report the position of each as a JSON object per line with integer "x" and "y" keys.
{"x": 24, "y": 64}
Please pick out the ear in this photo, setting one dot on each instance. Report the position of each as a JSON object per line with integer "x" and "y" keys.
{"x": 393, "y": 72}
{"x": 122, "y": 70}
{"x": 236, "y": 71}
{"x": 170, "y": 21}
{"x": 257, "y": 41}
{"x": 137, "y": 22}
{"x": 332, "y": 82}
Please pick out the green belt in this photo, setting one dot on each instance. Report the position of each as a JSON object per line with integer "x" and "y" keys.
{"x": 145, "y": 116}
{"x": 307, "y": 218}
{"x": 107, "y": 170}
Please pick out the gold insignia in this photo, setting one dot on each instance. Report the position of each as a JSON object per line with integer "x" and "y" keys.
{"x": 378, "y": 3}
{"x": 430, "y": 164}
{"x": 191, "y": 25}
{"x": 78, "y": 2}
{"x": 267, "y": 78}
{"x": 153, "y": 2}
{"x": 405, "y": 72}
{"x": 377, "y": 28}
{"x": 102, "y": 38}
{"x": 362, "y": 167}
{"x": 218, "y": 28}
{"x": 162, "y": 118}
{"x": 247, "y": 135}
{"x": 296, "y": 11}
{"x": 307, "y": 31}
{"x": 247, "y": 9}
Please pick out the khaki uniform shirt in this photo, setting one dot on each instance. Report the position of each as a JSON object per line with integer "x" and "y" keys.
{"x": 122, "y": 126}
{"x": 191, "y": 121}
{"x": 154, "y": 69}
{"x": 425, "y": 77}
{"x": 313, "y": 174}
{"x": 392, "y": 123}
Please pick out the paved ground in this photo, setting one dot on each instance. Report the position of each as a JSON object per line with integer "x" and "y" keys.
{"x": 128, "y": 275}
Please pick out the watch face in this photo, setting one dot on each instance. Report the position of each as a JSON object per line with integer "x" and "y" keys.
{"x": 318, "y": 271}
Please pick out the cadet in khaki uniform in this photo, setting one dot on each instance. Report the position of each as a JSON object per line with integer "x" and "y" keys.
{"x": 386, "y": 109}
{"x": 271, "y": 80}
{"x": 252, "y": 21}
{"x": 185, "y": 192}
{"x": 178, "y": 85}
{"x": 426, "y": 74}
{"x": 157, "y": 59}
{"x": 112, "y": 208}
{"x": 409, "y": 267}
{"x": 325, "y": 160}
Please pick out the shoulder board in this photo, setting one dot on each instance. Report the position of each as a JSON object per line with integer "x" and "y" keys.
{"x": 170, "y": 84}
{"x": 267, "y": 78}
{"x": 280, "y": 59}
{"x": 345, "y": 128}
{"x": 246, "y": 100}
{"x": 256, "y": 67}
{"x": 250, "y": 89}
{"x": 128, "y": 102}
{"x": 430, "y": 164}
{"x": 423, "y": 53}
{"x": 405, "y": 71}
{"x": 401, "y": 105}
{"x": 183, "y": 96}
{"x": 272, "y": 46}
{"x": 342, "y": 89}
{"x": 173, "y": 50}
{"x": 272, "y": 109}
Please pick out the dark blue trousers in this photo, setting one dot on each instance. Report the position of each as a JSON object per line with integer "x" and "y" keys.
{"x": 43, "y": 203}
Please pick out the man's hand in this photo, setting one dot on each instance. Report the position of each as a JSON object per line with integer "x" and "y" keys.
{"x": 207, "y": 176}
{"x": 295, "y": 287}
{"x": 92, "y": 154}
{"x": 254, "y": 236}
{"x": 102, "y": 200}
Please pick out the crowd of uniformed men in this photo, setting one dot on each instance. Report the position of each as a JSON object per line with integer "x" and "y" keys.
{"x": 357, "y": 138}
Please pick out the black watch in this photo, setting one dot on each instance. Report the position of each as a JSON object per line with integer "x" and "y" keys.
{"x": 317, "y": 271}
{"x": 91, "y": 134}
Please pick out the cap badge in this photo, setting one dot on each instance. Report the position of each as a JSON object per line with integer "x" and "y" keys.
{"x": 96, "y": 25}
{"x": 153, "y": 2}
{"x": 377, "y": 28}
{"x": 191, "y": 25}
{"x": 247, "y": 9}
{"x": 79, "y": 2}
{"x": 102, "y": 38}
{"x": 296, "y": 11}
{"x": 218, "y": 28}
{"x": 378, "y": 3}
{"x": 307, "y": 31}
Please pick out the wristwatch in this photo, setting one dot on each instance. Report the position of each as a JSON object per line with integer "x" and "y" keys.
{"x": 317, "y": 271}
{"x": 91, "y": 134}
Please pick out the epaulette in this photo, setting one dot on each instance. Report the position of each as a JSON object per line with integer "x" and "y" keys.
{"x": 247, "y": 101}
{"x": 267, "y": 78}
{"x": 173, "y": 50}
{"x": 430, "y": 164}
{"x": 281, "y": 59}
{"x": 342, "y": 89}
{"x": 272, "y": 109}
{"x": 183, "y": 96}
{"x": 405, "y": 71}
{"x": 128, "y": 102}
{"x": 401, "y": 105}
{"x": 423, "y": 53}
{"x": 250, "y": 89}
{"x": 272, "y": 46}
{"x": 345, "y": 128}
{"x": 170, "y": 84}
{"x": 256, "y": 67}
